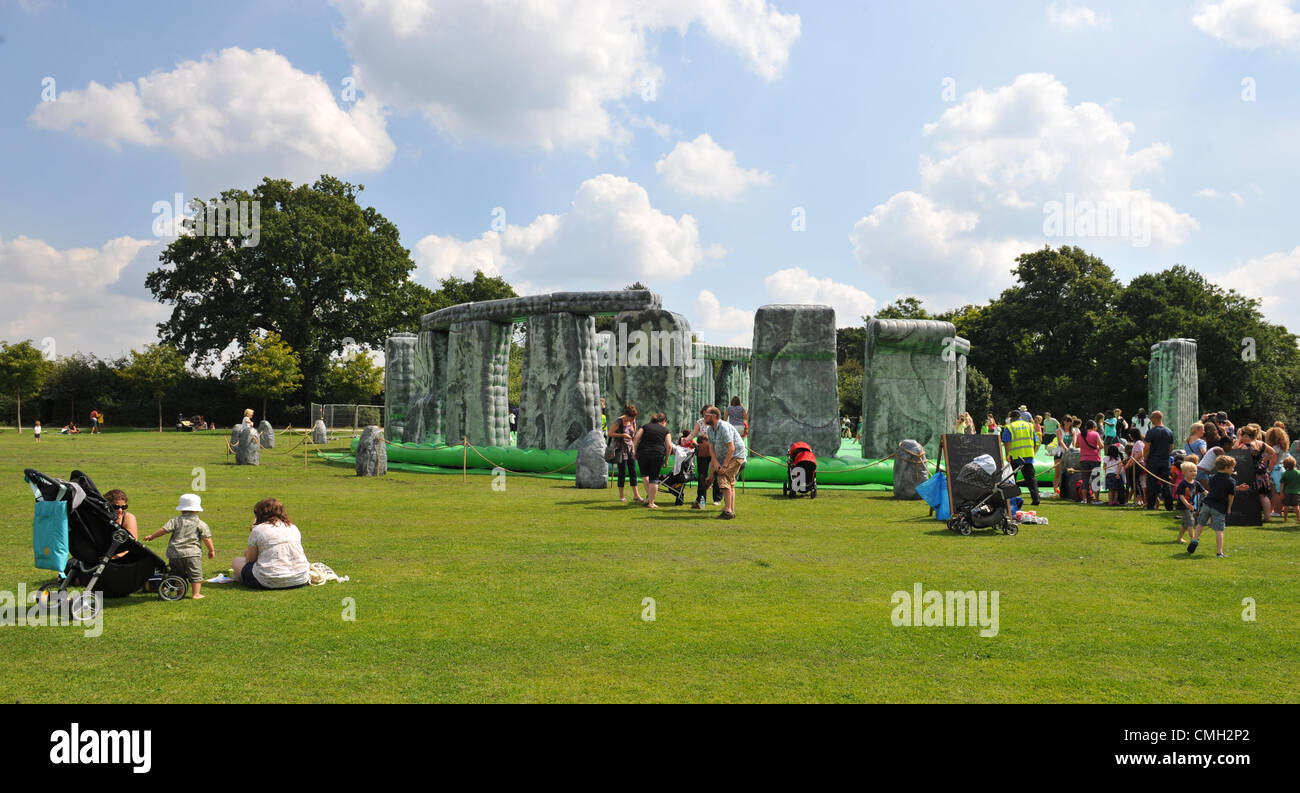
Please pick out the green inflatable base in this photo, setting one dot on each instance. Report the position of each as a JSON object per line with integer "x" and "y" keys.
{"x": 847, "y": 470}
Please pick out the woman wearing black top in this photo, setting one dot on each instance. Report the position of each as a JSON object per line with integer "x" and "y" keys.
{"x": 653, "y": 445}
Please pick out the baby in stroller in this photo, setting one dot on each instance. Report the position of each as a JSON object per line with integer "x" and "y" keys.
{"x": 683, "y": 471}
{"x": 980, "y": 498}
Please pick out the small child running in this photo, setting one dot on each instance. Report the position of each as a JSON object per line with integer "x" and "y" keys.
{"x": 1217, "y": 502}
{"x": 1185, "y": 496}
{"x": 184, "y": 554}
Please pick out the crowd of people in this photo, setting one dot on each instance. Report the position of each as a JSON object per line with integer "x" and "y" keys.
{"x": 717, "y": 444}
{"x": 1143, "y": 462}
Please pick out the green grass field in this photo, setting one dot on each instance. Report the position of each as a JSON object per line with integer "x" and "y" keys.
{"x": 534, "y": 593}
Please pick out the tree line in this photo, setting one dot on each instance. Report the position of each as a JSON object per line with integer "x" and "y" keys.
{"x": 328, "y": 281}
{"x": 1069, "y": 337}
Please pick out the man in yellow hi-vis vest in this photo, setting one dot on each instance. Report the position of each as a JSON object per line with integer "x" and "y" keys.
{"x": 1021, "y": 442}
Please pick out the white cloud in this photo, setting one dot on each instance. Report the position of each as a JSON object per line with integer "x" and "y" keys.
{"x": 537, "y": 73}
{"x": 702, "y": 167}
{"x": 911, "y": 240}
{"x": 1210, "y": 192}
{"x": 1275, "y": 280}
{"x": 797, "y": 285}
{"x": 1251, "y": 24}
{"x": 610, "y": 235}
{"x": 719, "y": 324}
{"x": 1004, "y": 161}
{"x": 1072, "y": 17}
{"x": 66, "y": 295}
{"x": 245, "y": 112}
{"x": 1023, "y": 145}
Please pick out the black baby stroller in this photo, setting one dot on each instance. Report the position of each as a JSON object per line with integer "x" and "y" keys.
{"x": 800, "y": 471}
{"x": 682, "y": 475}
{"x": 981, "y": 499}
{"x": 87, "y": 546}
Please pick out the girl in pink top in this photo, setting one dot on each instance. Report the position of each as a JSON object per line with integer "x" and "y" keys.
{"x": 1089, "y": 458}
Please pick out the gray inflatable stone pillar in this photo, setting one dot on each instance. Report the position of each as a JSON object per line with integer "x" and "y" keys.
{"x": 794, "y": 395}
{"x": 318, "y": 432}
{"x": 962, "y": 349}
{"x": 909, "y": 384}
{"x": 560, "y": 400}
{"x": 1172, "y": 384}
{"x": 399, "y": 381}
{"x": 700, "y": 382}
{"x": 909, "y": 470}
{"x": 592, "y": 470}
{"x": 267, "y": 434}
{"x": 426, "y": 411}
{"x": 658, "y": 350}
{"x": 613, "y": 386}
{"x": 732, "y": 380}
{"x": 478, "y": 372}
{"x": 247, "y": 445}
{"x": 372, "y": 453}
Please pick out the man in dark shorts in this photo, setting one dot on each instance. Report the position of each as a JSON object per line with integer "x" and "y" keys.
{"x": 1155, "y": 456}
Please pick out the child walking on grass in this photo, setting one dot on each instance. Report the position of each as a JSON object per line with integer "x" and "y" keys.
{"x": 1185, "y": 496}
{"x": 1217, "y": 503}
{"x": 184, "y": 554}
{"x": 1290, "y": 488}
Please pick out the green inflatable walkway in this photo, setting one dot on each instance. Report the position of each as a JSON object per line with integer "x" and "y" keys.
{"x": 847, "y": 470}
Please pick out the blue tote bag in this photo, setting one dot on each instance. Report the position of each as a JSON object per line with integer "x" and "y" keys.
{"x": 50, "y": 535}
{"x": 934, "y": 491}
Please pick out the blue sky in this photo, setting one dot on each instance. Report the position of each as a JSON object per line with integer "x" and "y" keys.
{"x": 584, "y": 144}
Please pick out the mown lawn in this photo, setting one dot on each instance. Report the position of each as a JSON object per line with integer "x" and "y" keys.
{"x": 534, "y": 593}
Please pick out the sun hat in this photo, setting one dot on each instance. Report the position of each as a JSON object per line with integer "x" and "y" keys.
{"x": 189, "y": 503}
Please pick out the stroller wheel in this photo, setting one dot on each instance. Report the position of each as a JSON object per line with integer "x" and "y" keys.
{"x": 963, "y": 528}
{"x": 952, "y": 523}
{"x": 813, "y": 493}
{"x": 785, "y": 489}
{"x": 84, "y": 606}
{"x": 1010, "y": 529}
{"x": 173, "y": 587}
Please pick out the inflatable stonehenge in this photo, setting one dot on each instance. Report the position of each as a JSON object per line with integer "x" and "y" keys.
{"x": 1172, "y": 383}
{"x": 449, "y": 381}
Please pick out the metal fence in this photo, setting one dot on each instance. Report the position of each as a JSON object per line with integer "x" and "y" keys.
{"x": 350, "y": 418}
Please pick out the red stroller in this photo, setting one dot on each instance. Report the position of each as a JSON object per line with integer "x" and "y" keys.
{"x": 801, "y": 471}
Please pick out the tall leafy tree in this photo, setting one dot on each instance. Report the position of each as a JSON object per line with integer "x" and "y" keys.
{"x": 155, "y": 371}
{"x": 323, "y": 269}
{"x": 23, "y": 370}
{"x": 267, "y": 368}
{"x": 354, "y": 379}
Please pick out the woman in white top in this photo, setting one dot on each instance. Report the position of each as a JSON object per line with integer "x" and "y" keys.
{"x": 274, "y": 558}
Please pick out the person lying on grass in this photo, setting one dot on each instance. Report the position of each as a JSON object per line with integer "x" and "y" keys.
{"x": 274, "y": 558}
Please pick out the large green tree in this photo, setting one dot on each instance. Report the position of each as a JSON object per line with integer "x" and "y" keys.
{"x": 354, "y": 379}
{"x": 323, "y": 269}
{"x": 267, "y": 368}
{"x": 23, "y": 370}
{"x": 154, "y": 371}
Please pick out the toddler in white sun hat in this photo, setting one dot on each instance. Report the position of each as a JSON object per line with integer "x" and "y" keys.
{"x": 184, "y": 552}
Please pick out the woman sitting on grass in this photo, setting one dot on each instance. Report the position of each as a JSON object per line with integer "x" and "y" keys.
{"x": 274, "y": 558}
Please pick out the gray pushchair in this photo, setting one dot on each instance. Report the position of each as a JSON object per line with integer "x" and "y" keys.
{"x": 981, "y": 499}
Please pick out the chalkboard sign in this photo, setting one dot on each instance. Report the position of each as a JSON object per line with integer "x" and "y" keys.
{"x": 1245, "y": 503}
{"x": 958, "y": 450}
